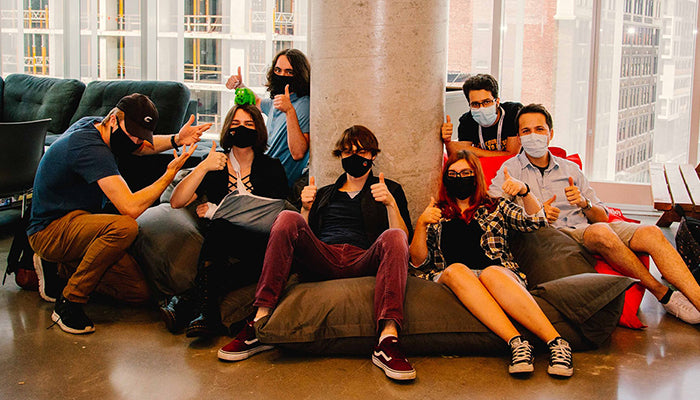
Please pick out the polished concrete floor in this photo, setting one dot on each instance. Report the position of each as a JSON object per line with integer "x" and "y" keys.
{"x": 132, "y": 356}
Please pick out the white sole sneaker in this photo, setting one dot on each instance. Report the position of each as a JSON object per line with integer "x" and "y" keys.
{"x": 57, "y": 319}
{"x": 559, "y": 370}
{"x": 521, "y": 368}
{"x": 36, "y": 261}
{"x": 242, "y": 355}
{"x": 392, "y": 373}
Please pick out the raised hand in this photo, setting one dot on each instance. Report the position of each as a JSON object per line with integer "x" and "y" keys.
{"x": 550, "y": 211}
{"x": 190, "y": 134}
{"x": 381, "y": 193}
{"x": 308, "y": 194}
{"x": 573, "y": 195}
{"x": 215, "y": 161}
{"x": 446, "y": 130}
{"x": 282, "y": 101}
{"x": 431, "y": 215}
{"x": 512, "y": 186}
{"x": 179, "y": 160}
{"x": 235, "y": 81}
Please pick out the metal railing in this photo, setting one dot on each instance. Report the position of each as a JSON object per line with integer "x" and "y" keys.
{"x": 204, "y": 23}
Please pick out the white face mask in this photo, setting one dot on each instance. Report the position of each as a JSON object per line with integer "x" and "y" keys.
{"x": 535, "y": 145}
{"x": 485, "y": 116}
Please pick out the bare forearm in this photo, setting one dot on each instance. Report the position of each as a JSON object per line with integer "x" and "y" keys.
{"x": 160, "y": 143}
{"x": 419, "y": 248}
{"x": 596, "y": 214}
{"x": 296, "y": 140}
{"x": 395, "y": 220}
{"x": 185, "y": 190}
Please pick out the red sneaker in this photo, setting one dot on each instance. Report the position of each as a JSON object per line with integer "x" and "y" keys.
{"x": 243, "y": 346}
{"x": 388, "y": 356}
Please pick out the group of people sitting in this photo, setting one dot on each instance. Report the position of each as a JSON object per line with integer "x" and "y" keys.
{"x": 357, "y": 226}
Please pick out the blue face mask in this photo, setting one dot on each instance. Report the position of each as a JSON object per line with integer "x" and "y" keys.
{"x": 535, "y": 145}
{"x": 485, "y": 116}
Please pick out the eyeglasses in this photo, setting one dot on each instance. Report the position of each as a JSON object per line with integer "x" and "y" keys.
{"x": 360, "y": 152}
{"x": 485, "y": 103}
{"x": 460, "y": 174}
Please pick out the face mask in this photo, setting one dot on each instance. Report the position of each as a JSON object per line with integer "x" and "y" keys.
{"x": 534, "y": 144}
{"x": 121, "y": 144}
{"x": 485, "y": 116}
{"x": 242, "y": 137}
{"x": 460, "y": 187}
{"x": 356, "y": 165}
{"x": 279, "y": 82}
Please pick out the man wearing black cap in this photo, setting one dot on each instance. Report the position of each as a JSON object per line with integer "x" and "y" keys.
{"x": 75, "y": 175}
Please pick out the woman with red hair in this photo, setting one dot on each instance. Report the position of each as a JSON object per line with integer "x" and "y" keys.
{"x": 461, "y": 241}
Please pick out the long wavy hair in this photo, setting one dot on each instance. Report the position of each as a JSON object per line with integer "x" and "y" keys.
{"x": 448, "y": 205}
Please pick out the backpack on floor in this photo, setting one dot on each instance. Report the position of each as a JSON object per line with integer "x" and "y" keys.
{"x": 688, "y": 242}
{"x": 20, "y": 258}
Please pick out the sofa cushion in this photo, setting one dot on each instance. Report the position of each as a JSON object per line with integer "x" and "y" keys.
{"x": 548, "y": 254}
{"x": 171, "y": 100}
{"x": 28, "y": 98}
{"x": 435, "y": 321}
{"x": 167, "y": 248}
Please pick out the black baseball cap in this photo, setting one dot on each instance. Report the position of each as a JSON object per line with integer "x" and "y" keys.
{"x": 140, "y": 115}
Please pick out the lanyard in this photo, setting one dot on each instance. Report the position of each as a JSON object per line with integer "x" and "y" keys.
{"x": 498, "y": 132}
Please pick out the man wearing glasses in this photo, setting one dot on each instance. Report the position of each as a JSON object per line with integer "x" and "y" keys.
{"x": 488, "y": 129}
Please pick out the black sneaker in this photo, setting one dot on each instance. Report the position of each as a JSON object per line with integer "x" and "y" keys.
{"x": 560, "y": 359}
{"x": 50, "y": 285}
{"x": 71, "y": 317}
{"x": 521, "y": 353}
{"x": 177, "y": 313}
{"x": 203, "y": 327}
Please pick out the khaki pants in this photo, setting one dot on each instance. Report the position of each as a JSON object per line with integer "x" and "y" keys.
{"x": 91, "y": 250}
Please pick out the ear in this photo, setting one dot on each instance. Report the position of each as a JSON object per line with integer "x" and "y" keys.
{"x": 551, "y": 135}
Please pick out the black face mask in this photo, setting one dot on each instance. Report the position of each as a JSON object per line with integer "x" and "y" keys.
{"x": 356, "y": 165}
{"x": 240, "y": 137}
{"x": 279, "y": 82}
{"x": 461, "y": 188}
{"x": 120, "y": 144}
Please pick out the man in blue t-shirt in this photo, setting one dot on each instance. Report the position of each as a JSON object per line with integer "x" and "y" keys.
{"x": 287, "y": 110}
{"x": 76, "y": 176}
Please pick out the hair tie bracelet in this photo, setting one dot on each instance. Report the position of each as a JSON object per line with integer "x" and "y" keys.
{"x": 244, "y": 96}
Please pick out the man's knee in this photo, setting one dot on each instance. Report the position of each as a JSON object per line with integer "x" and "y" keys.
{"x": 393, "y": 238}
{"x": 125, "y": 228}
{"x": 600, "y": 237}
{"x": 647, "y": 234}
{"x": 288, "y": 221}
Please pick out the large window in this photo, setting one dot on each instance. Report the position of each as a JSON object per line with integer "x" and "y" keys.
{"x": 642, "y": 75}
{"x": 620, "y": 96}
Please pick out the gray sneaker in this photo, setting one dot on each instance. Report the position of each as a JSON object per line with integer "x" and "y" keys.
{"x": 521, "y": 356}
{"x": 679, "y": 306}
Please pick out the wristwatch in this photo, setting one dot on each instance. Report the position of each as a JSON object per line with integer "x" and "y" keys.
{"x": 172, "y": 142}
{"x": 526, "y": 191}
{"x": 588, "y": 206}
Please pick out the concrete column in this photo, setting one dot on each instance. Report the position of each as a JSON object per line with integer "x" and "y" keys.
{"x": 380, "y": 63}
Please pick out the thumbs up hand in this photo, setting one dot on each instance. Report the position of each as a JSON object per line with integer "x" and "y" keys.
{"x": 446, "y": 130}
{"x": 308, "y": 194}
{"x": 512, "y": 186}
{"x": 573, "y": 195}
{"x": 215, "y": 161}
{"x": 550, "y": 211}
{"x": 381, "y": 193}
{"x": 282, "y": 101}
{"x": 431, "y": 215}
{"x": 235, "y": 81}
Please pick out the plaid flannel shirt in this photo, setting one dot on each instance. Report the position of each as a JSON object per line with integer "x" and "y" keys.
{"x": 495, "y": 225}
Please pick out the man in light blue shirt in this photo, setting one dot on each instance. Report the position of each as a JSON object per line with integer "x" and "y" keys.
{"x": 287, "y": 110}
{"x": 572, "y": 206}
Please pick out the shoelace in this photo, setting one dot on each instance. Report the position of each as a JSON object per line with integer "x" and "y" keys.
{"x": 522, "y": 353}
{"x": 560, "y": 353}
